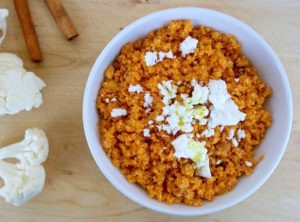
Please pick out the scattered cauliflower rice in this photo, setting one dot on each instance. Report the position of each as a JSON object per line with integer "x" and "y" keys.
{"x": 202, "y": 100}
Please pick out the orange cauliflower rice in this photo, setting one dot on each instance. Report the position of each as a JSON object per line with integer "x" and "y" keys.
{"x": 181, "y": 113}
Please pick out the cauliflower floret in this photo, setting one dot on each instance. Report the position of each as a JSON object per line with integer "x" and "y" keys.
{"x": 3, "y": 25}
{"x": 25, "y": 179}
{"x": 19, "y": 89}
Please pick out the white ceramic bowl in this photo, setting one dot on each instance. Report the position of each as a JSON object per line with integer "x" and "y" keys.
{"x": 270, "y": 70}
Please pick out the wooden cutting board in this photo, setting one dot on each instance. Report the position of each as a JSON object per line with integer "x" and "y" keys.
{"x": 75, "y": 189}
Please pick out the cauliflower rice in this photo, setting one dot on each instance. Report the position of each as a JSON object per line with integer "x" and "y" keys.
{"x": 144, "y": 153}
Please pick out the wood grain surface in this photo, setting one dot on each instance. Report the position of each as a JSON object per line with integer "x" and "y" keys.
{"x": 75, "y": 189}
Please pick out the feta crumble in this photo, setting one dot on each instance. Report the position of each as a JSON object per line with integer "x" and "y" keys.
{"x": 107, "y": 100}
{"x": 151, "y": 58}
{"x": 168, "y": 90}
{"x": 186, "y": 147}
{"x": 159, "y": 127}
{"x": 116, "y": 112}
{"x": 224, "y": 111}
{"x": 248, "y": 163}
{"x": 148, "y": 100}
{"x": 170, "y": 55}
{"x": 221, "y": 128}
{"x": 159, "y": 118}
{"x": 113, "y": 99}
{"x": 182, "y": 115}
{"x": 163, "y": 55}
{"x": 200, "y": 94}
{"x": 146, "y": 133}
{"x": 218, "y": 162}
{"x": 241, "y": 134}
{"x": 230, "y": 134}
{"x": 135, "y": 88}
{"x": 188, "y": 46}
{"x": 235, "y": 142}
{"x": 208, "y": 132}
{"x": 150, "y": 122}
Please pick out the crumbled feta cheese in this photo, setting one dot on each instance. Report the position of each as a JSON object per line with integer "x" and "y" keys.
{"x": 148, "y": 100}
{"x": 146, "y": 132}
{"x": 198, "y": 135}
{"x": 180, "y": 118}
{"x": 218, "y": 94}
{"x": 186, "y": 147}
{"x": 208, "y": 132}
{"x": 161, "y": 56}
{"x": 200, "y": 94}
{"x": 135, "y": 88}
{"x": 230, "y": 134}
{"x": 3, "y": 25}
{"x": 148, "y": 110}
{"x": 248, "y": 163}
{"x": 218, "y": 162}
{"x": 159, "y": 127}
{"x": 182, "y": 115}
{"x": 168, "y": 90}
{"x": 199, "y": 113}
{"x": 151, "y": 58}
{"x": 170, "y": 55}
{"x": 188, "y": 46}
{"x": 228, "y": 115}
{"x": 235, "y": 142}
{"x": 221, "y": 128}
{"x": 150, "y": 122}
{"x": 224, "y": 111}
{"x": 113, "y": 99}
{"x": 236, "y": 79}
{"x": 194, "y": 82}
{"x": 190, "y": 135}
{"x": 167, "y": 128}
{"x": 241, "y": 134}
{"x": 107, "y": 100}
{"x": 118, "y": 112}
{"x": 159, "y": 118}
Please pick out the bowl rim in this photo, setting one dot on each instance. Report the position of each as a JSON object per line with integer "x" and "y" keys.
{"x": 129, "y": 28}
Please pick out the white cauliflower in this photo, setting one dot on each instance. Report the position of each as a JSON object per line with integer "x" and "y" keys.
{"x": 19, "y": 89}
{"x": 26, "y": 178}
{"x": 3, "y": 25}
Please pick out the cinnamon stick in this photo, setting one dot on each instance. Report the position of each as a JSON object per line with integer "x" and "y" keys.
{"x": 29, "y": 33}
{"x": 62, "y": 19}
